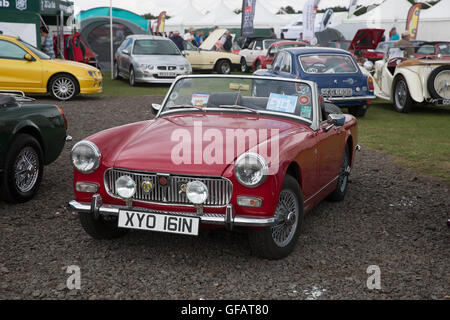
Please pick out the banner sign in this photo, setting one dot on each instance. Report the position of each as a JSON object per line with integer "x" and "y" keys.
{"x": 161, "y": 22}
{"x": 54, "y": 7}
{"x": 309, "y": 17}
{"x": 326, "y": 19}
{"x": 20, "y": 5}
{"x": 412, "y": 23}
{"x": 352, "y": 8}
{"x": 248, "y": 17}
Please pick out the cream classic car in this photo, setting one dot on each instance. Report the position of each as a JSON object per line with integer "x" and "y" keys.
{"x": 407, "y": 82}
{"x": 207, "y": 58}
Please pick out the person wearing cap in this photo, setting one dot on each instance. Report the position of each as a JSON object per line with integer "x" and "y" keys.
{"x": 178, "y": 40}
{"x": 406, "y": 45}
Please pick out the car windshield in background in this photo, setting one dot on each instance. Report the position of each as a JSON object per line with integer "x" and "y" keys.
{"x": 325, "y": 63}
{"x": 155, "y": 47}
{"x": 40, "y": 54}
{"x": 444, "y": 49}
{"x": 253, "y": 95}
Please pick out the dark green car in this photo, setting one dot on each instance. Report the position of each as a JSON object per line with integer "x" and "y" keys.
{"x": 31, "y": 136}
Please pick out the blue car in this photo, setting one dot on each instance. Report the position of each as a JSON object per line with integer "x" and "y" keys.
{"x": 336, "y": 72}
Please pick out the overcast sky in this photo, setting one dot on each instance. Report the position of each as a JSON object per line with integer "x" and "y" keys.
{"x": 171, "y": 6}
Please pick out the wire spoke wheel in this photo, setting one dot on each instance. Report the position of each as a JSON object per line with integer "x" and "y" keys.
{"x": 401, "y": 94}
{"x": 63, "y": 88}
{"x": 287, "y": 212}
{"x": 26, "y": 169}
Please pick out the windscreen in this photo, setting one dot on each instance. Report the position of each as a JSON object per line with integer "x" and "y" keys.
{"x": 155, "y": 47}
{"x": 324, "y": 63}
{"x": 237, "y": 94}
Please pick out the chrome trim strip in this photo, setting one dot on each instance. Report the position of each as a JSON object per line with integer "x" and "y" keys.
{"x": 337, "y": 99}
{"x": 223, "y": 192}
{"x": 323, "y": 188}
{"x": 207, "y": 218}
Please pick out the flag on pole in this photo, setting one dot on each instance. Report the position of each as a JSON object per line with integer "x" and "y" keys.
{"x": 309, "y": 17}
{"x": 111, "y": 39}
{"x": 161, "y": 22}
{"x": 412, "y": 22}
{"x": 248, "y": 17}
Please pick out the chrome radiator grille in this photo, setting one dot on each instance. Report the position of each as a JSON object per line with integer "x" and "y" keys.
{"x": 220, "y": 189}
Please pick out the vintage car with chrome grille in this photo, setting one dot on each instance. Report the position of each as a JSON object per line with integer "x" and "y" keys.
{"x": 407, "y": 81}
{"x": 231, "y": 151}
{"x": 31, "y": 136}
{"x": 336, "y": 72}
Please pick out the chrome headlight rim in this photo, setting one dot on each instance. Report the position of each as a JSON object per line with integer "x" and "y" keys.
{"x": 205, "y": 194}
{"x": 133, "y": 185}
{"x": 264, "y": 168}
{"x": 97, "y": 154}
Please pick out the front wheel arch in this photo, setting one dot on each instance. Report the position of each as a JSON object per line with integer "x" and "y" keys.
{"x": 218, "y": 62}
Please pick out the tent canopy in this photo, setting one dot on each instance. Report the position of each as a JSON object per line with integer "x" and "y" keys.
{"x": 440, "y": 10}
{"x": 186, "y": 17}
{"x": 390, "y": 10}
{"x": 220, "y": 15}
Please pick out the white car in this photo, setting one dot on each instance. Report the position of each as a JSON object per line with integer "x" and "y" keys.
{"x": 256, "y": 48}
{"x": 407, "y": 82}
{"x": 292, "y": 31}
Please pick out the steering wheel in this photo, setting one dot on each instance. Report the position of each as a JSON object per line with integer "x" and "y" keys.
{"x": 316, "y": 67}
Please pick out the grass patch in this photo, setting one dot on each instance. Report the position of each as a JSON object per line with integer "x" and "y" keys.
{"x": 419, "y": 140}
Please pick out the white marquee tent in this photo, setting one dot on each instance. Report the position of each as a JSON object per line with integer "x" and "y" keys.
{"x": 184, "y": 18}
{"x": 434, "y": 23}
{"x": 220, "y": 15}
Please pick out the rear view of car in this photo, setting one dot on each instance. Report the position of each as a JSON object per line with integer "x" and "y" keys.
{"x": 149, "y": 59}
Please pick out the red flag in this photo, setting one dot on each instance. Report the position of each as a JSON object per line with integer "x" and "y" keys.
{"x": 412, "y": 23}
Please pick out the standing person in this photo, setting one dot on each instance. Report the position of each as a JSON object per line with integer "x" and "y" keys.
{"x": 393, "y": 35}
{"x": 273, "y": 34}
{"x": 170, "y": 35}
{"x": 228, "y": 45}
{"x": 300, "y": 37}
{"x": 190, "y": 35}
{"x": 178, "y": 40}
{"x": 406, "y": 45}
{"x": 198, "y": 38}
{"x": 241, "y": 41}
{"x": 47, "y": 43}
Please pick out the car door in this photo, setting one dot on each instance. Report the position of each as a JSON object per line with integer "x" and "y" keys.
{"x": 285, "y": 69}
{"x": 121, "y": 57}
{"x": 16, "y": 72}
{"x": 330, "y": 148}
{"x": 126, "y": 57}
{"x": 195, "y": 56}
{"x": 247, "y": 53}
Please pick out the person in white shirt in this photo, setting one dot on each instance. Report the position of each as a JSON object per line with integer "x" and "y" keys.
{"x": 190, "y": 35}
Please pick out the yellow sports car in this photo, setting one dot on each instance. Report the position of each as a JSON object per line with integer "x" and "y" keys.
{"x": 25, "y": 68}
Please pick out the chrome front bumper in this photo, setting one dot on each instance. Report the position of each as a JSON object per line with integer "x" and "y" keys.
{"x": 229, "y": 220}
{"x": 347, "y": 99}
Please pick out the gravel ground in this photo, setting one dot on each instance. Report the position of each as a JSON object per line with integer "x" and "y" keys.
{"x": 392, "y": 218}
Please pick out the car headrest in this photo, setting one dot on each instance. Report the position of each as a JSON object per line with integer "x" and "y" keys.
{"x": 223, "y": 98}
{"x": 7, "y": 101}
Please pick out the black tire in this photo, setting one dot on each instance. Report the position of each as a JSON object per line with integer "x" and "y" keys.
{"x": 358, "y": 111}
{"x": 402, "y": 99}
{"x": 223, "y": 67}
{"x": 244, "y": 67}
{"x": 262, "y": 241}
{"x": 116, "y": 71}
{"x": 341, "y": 189}
{"x": 132, "y": 78}
{"x": 431, "y": 79}
{"x": 63, "y": 87}
{"x": 100, "y": 229}
{"x": 23, "y": 145}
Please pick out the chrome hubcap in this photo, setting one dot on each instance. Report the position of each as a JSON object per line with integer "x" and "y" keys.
{"x": 287, "y": 212}
{"x": 442, "y": 84}
{"x": 63, "y": 88}
{"x": 226, "y": 68}
{"x": 26, "y": 169}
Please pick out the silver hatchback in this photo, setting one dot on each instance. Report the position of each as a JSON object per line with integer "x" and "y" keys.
{"x": 149, "y": 59}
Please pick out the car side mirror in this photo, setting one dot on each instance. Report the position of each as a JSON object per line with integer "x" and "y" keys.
{"x": 127, "y": 52}
{"x": 28, "y": 57}
{"x": 156, "y": 107}
{"x": 337, "y": 120}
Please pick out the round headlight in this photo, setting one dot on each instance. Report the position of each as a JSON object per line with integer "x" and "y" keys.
{"x": 85, "y": 157}
{"x": 197, "y": 192}
{"x": 251, "y": 170}
{"x": 125, "y": 187}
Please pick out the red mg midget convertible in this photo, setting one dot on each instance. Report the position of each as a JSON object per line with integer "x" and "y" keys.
{"x": 232, "y": 151}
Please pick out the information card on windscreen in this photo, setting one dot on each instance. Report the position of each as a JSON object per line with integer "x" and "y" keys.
{"x": 282, "y": 103}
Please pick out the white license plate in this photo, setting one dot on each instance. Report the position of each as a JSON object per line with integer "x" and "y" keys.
{"x": 159, "y": 222}
{"x": 167, "y": 74}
